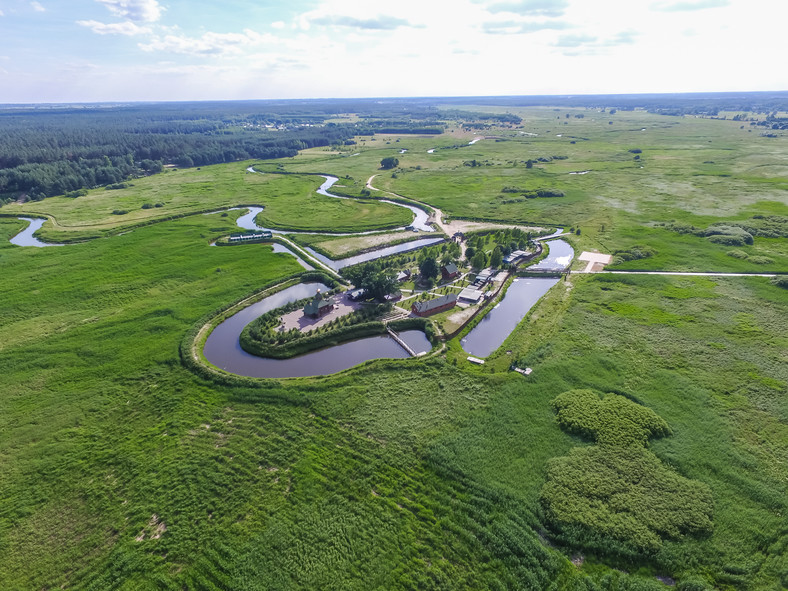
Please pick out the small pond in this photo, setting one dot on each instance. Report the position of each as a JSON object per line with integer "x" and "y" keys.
{"x": 223, "y": 349}
{"x": 558, "y": 259}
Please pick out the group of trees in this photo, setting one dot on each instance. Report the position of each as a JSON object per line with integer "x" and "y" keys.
{"x": 50, "y": 152}
{"x": 487, "y": 249}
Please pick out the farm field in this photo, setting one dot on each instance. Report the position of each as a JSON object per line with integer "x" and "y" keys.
{"x": 124, "y": 469}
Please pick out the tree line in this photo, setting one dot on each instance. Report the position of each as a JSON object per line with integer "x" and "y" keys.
{"x": 52, "y": 153}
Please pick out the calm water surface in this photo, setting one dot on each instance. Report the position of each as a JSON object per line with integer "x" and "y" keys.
{"x": 492, "y": 331}
{"x": 26, "y": 238}
{"x": 521, "y": 296}
{"x": 223, "y": 349}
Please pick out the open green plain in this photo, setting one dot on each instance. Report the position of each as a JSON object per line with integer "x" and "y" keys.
{"x": 121, "y": 469}
{"x": 289, "y": 201}
{"x": 690, "y": 170}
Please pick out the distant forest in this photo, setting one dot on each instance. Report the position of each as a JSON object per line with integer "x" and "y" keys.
{"x": 48, "y": 150}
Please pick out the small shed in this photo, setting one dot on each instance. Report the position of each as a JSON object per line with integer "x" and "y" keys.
{"x": 403, "y": 275}
{"x": 515, "y": 256}
{"x": 470, "y": 294}
{"x": 449, "y": 271}
{"x": 484, "y": 277}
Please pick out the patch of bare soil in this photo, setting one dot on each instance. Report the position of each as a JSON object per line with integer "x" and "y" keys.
{"x": 153, "y": 530}
{"x": 459, "y": 318}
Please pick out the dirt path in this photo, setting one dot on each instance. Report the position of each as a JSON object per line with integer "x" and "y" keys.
{"x": 454, "y": 226}
{"x": 689, "y": 273}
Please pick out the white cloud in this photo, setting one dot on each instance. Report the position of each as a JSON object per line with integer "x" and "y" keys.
{"x": 136, "y": 10}
{"x": 124, "y": 28}
{"x": 208, "y": 44}
{"x": 377, "y": 23}
{"x": 278, "y": 25}
{"x": 685, "y": 6}
{"x": 517, "y": 27}
{"x": 2, "y": 13}
{"x": 37, "y": 7}
{"x": 530, "y": 7}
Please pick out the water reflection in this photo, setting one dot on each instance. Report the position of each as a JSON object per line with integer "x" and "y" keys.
{"x": 26, "y": 238}
{"x": 492, "y": 331}
{"x": 223, "y": 349}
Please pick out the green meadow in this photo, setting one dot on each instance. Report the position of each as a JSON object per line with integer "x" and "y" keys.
{"x": 289, "y": 201}
{"x": 123, "y": 469}
{"x": 688, "y": 170}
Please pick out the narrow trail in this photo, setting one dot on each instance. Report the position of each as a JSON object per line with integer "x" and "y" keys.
{"x": 685, "y": 273}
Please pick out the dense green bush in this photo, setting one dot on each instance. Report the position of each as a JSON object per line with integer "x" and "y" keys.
{"x": 613, "y": 420}
{"x": 633, "y": 253}
{"x": 780, "y": 281}
{"x": 737, "y": 254}
{"x": 617, "y": 497}
{"x": 761, "y": 260}
{"x": 727, "y": 240}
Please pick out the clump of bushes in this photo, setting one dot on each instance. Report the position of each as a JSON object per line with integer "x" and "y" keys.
{"x": 612, "y": 420}
{"x": 761, "y": 260}
{"x": 730, "y": 235}
{"x": 737, "y": 254}
{"x": 77, "y": 193}
{"x": 147, "y": 206}
{"x": 727, "y": 240}
{"x": 530, "y": 194}
{"x": 633, "y": 253}
{"x": 116, "y": 186}
{"x": 766, "y": 226}
{"x": 780, "y": 281}
{"x": 617, "y": 495}
{"x": 120, "y": 211}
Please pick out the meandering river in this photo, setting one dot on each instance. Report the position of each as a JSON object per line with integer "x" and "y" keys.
{"x": 26, "y": 238}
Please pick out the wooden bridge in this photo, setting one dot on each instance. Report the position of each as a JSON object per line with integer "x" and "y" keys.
{"x": 402, "y": 343}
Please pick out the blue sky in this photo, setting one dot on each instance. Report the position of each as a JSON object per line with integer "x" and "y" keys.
{"x": 122, "y": 50}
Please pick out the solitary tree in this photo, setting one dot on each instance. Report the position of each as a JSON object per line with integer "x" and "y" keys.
{"x": 389, "y": 162}
{"x": 479, "y": 260}
{"x": 428, "y": 268}
{"x": 496, "y": 258}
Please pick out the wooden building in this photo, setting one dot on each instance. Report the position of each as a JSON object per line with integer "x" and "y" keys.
{"x": 426, "y": 308}
{"x": 318, "y": 306}
{"x": 449, "y": 271}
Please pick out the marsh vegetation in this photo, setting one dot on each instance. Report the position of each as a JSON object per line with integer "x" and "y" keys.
{"x": 650, "y": 439}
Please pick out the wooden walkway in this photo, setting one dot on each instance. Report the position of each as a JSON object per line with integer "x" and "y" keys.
{"x": 402, "y": 343}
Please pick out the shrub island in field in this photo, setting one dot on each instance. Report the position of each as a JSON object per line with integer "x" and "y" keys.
{"x": 617, "y": 496}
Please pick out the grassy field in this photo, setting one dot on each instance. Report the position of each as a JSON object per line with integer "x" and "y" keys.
{"x": 121, "y": 469}
{"x": 689, "y": 170}
{"x": 289, "y": 201}
{"x": 345, "y": 246}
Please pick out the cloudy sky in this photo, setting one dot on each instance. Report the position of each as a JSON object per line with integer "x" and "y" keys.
{"x": 121, "y": 50}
